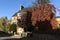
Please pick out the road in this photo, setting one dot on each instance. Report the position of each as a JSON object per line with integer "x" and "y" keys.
{"x": 34, "y": 37}
{"x": 11, "y": 37}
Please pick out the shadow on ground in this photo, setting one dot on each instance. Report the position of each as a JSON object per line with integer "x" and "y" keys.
{"x": 36, "y": 36}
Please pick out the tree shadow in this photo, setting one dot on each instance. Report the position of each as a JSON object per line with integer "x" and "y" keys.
{"x": 44, "y": 26}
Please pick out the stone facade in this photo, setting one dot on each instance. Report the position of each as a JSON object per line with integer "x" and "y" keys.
{"x": 14, "y": 19}
{"x": 22, "y": 19}
{"x": 58, "y": 21}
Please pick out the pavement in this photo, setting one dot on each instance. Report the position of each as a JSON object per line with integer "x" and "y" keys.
{"x": 33, "y": 37}
{"x": 11, "y": 37}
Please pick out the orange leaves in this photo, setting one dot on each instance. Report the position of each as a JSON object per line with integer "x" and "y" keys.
{"x": 42, "y": 13}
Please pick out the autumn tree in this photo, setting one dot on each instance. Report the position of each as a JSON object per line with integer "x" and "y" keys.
{"x": 43, "y": 16}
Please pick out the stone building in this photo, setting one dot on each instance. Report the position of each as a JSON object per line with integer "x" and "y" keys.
{"x": 58, "y": 21}
{"x": 22, "y": 19}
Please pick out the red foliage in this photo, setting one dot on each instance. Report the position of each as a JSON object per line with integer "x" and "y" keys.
{"x": 45, "y": 12}
{"x": 42, "y": 13}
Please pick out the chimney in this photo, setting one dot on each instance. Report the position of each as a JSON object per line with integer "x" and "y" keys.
{"x": 21, "y": 7}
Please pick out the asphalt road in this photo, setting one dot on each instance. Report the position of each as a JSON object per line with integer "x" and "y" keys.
{"x": 10, "y": 37}
{"x": 34, "y": 37}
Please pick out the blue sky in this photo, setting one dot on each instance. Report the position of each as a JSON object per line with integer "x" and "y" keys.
{"x": 9, "y": 7}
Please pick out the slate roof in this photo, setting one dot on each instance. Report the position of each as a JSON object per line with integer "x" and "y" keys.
{"x": 57, "y": 16}
{"x": 20, "y": 11}
{"x": 24, "y": 10}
